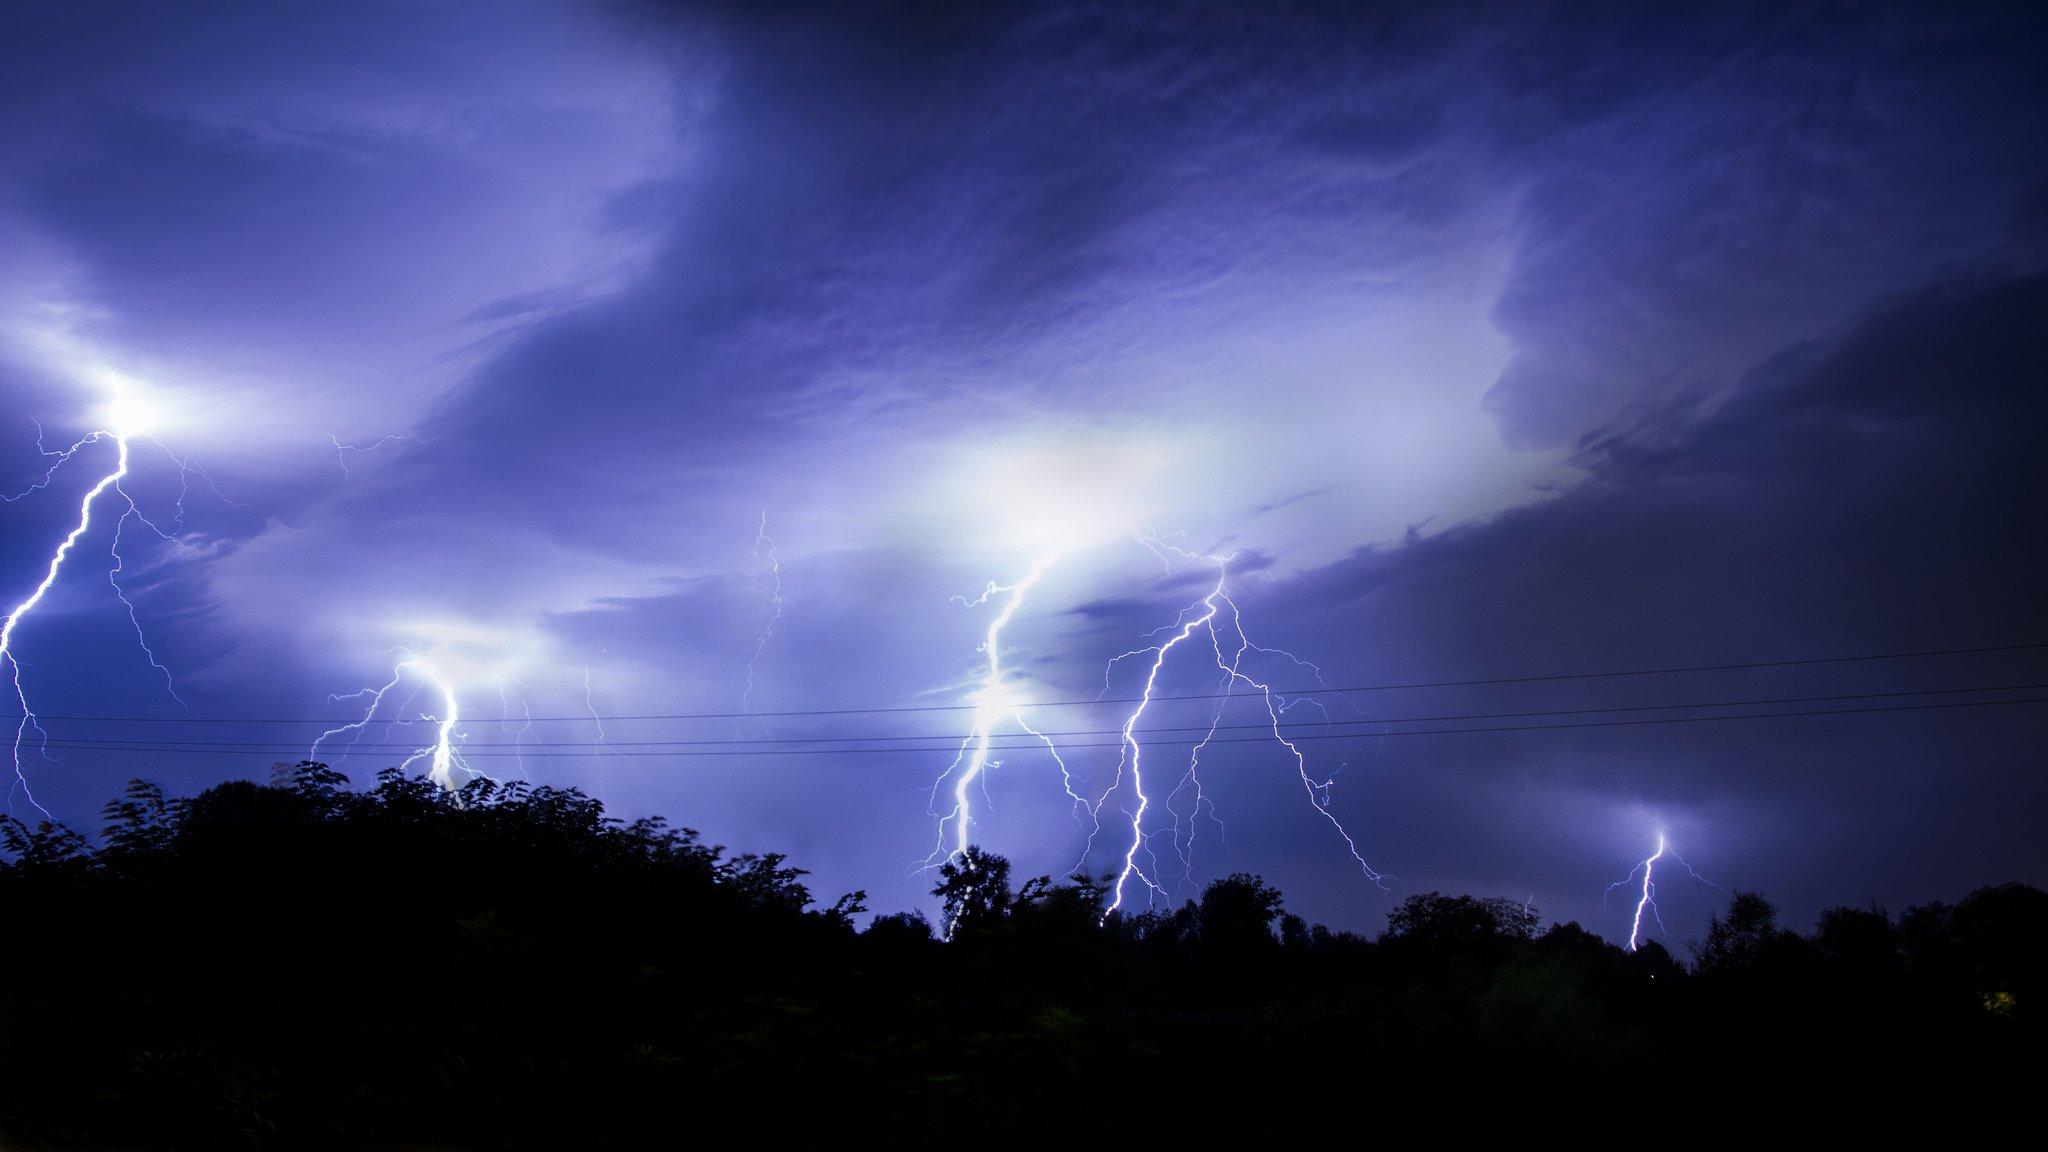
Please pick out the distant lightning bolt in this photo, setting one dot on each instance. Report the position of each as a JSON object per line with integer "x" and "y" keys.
{"x": 590, "y": 705}
{"x": 1646, "y": 900}
{"x": 342, "y": 451}
{"x": 443, "y": 758}
{"x": 764, "y": 556}
{"x": 520, "y": 737}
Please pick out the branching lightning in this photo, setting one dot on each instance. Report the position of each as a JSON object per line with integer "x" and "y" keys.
{"x": 995, "y": 701}
{"x": 998, "y": 703}
{"x": 342, "y": 451}
{"x": 442, "y": 755}
{"x": 127, "y": 421}
{"x": 1646, "y": 900}
{"x": 1217, "y": 614}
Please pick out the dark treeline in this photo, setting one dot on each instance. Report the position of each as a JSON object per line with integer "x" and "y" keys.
{"x": 301, "y": 965}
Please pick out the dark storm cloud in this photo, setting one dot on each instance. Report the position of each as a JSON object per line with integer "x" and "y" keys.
{"x": 1869, "y": 493}
{"x": 1700, "y": 189}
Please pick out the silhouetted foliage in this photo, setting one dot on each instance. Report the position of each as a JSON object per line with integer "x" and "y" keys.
{"x": 302, "y": 965}
{"x": 1439, "y": 921}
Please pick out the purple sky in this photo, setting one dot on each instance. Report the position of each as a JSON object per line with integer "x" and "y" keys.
{"x": 1494, "y": 343}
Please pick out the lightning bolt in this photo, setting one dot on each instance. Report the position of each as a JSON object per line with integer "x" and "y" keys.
{"x": 342, "y": 451}
{"x": 111, "y": 481}
{"x": 994, "y": 702}
{"x": 1646, "y": 900}
{"x": 597, "y": 719}
{"x": 443, "y": 758}
{"x": 998, "y": 706}
{"x": 764, "y": 557}
{"x": 1215, "y": 613}
{"x": 520, "y": 737}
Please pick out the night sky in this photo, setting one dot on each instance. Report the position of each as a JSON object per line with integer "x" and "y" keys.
{"x": 1492, "y": 343}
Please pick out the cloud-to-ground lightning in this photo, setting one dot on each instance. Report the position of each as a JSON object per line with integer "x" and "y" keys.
{"x": 1216, "y": 614}
{"x": 442, "y": 754}
{"x": 438, "y": 661}
{"x": 1646, "y": 899}
{"x": 127, "y": 420}
{"x": 996, "y": 700}
{"x": 998, "y": 703}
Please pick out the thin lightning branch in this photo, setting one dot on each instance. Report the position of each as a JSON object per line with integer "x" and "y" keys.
{"x": 590, "y": 705}
{"x": 764, "y": 555}
{"x": 355, "y": 729}
{"x": 341, "y": 450}
{"x": 519, "y": 738}
{"x": 188, "y": 468}
{"x": 1318, "y": 790}
{"x": 58, "y": 460}
{"x": 114, "y": 578}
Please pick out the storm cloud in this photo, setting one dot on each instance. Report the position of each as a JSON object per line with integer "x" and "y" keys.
{"x": 1490, "y": 342}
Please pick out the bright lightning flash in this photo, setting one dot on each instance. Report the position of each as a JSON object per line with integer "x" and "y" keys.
{"x": 1052, "y": 502}
{"x": 1646, "y": 900}
{"x": 442, "y": 756}
{"x": 460, "y": 656}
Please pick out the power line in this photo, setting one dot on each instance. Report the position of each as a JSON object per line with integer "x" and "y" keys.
{"x": 1321, "y": 690}
{"x": 1031, "y": 741}
{"x": 953, "y": 747}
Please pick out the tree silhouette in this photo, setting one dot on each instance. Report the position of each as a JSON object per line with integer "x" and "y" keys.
{"x": 301, "y": 964}
{"x": 1437, "y": 920}
{"x": 1738, "y": 941}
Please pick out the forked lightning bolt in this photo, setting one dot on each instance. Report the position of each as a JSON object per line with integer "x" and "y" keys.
{"x": 994, "y": 703}
{"x": 767, "y": 563}
{"x": 1646, "y": 900}
{"x": 998, "y": 703}
{"x": 443, "y": 757}
{"x": 120, "y": 436}
{"x": 1215, "y": 613}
